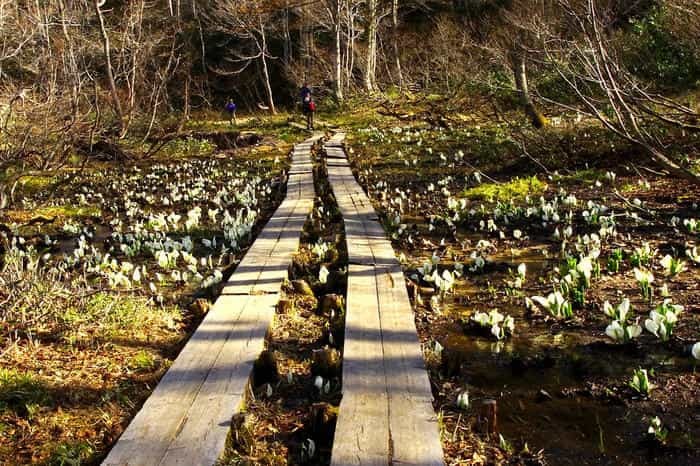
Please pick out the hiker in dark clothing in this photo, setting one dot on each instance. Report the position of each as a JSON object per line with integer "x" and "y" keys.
{"x": 305, "y": 93}
{"x": 231, "y": 109}
{"x": 308, "y": 106}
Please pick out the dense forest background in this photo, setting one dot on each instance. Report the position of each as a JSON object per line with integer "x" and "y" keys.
{"x": 76, "y": 75}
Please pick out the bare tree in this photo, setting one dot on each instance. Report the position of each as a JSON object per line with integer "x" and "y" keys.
{"x": 338, "y": 29}
{"x": 247, "y": 28}
{"x": 116, "y": 101}
{"x": 587, "y": 61}
{"x": 395, "y": 40}
{"x": 518, "y": 64}
{"x": 370, "y": 76}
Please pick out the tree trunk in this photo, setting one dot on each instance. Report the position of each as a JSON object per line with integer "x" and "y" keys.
{"x": 673, "y": 168}
{"x": 110, "y": 74}
{"x": 371, "y": 66}
{"x": 338, "y": 54}
{"x": 519, "y": 70}
{"x": 72, "y": 61}
{"x": 395, "y": 24}
{"x": 136, "y": 46}
{"x": 186, "y": 104}
{"x": 266, "y": 74}
{"x": 350, "y": 52}
{"x": 287, "y": 46}
{"x": 307, "y": 41}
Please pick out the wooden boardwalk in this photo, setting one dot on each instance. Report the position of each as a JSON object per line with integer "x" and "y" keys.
{"x": 187, "y": 418}
{"x": 386, "y": 414}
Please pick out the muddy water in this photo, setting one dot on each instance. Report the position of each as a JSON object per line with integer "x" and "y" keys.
{"x": 551, "y": 381}
{"x": 559, "y": 388}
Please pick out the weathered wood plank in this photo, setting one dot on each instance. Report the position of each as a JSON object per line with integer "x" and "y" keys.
{"x": 410, "y": 423}
{"x": 158, "y": 421}
{"x": 202, "y": 437}
{"x": 411, "y": 413}
{"x": 362, "y": 429}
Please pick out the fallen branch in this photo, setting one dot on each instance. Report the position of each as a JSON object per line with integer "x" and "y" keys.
{"x": 632, "y": 205}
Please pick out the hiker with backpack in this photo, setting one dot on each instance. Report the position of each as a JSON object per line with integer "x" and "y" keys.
{"x": 308, "y": 106}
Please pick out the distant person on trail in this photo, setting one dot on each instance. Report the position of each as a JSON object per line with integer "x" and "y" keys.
{"x": 231, "y": 109}
{"x": 305, "y": 93}
{"x": 308, "y": 106}
{"x": 309, "y": 110}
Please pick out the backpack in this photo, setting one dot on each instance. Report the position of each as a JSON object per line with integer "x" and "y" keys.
{"x": 312, "y": 106}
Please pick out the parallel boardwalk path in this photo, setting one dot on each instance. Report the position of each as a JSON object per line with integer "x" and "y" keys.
{"x": 187, "y": 418}
{"x": 386, "y": 414}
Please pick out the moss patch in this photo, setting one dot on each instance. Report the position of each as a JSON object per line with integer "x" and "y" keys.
{"x": 34, "y": 183}
{"x": 515, "y": 189}
{"x": 59, "y": 214}
{"x": 143, "y": 361}
{"x": 69, "y": 211}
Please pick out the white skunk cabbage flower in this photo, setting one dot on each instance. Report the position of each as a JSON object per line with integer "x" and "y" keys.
{"x": 323, "y": 274}
{"x": 695, "y": 350}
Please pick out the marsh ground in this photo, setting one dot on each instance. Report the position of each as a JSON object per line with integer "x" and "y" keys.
{"x": 478, "y": 199}
{"x": 106, "y": 268}
{"x": 85, "y": 336}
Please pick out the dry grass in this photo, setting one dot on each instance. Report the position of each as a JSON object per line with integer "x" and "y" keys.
{"x": 82, "y": 361}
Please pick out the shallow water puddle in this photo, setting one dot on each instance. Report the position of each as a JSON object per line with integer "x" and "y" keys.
{"x": 551, "y": 390}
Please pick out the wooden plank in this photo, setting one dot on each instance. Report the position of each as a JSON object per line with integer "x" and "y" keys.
{"x": 362, "y": 429}
{"x": 412, "y": 419}
{"x": 147, "y": 438}
{"x": 359, "y": 251}
{"x": 277, "y": 265}
{"x": 202, "y": 436}
{"x": 187, "y": 418}
{"x": 410, "y": 423}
